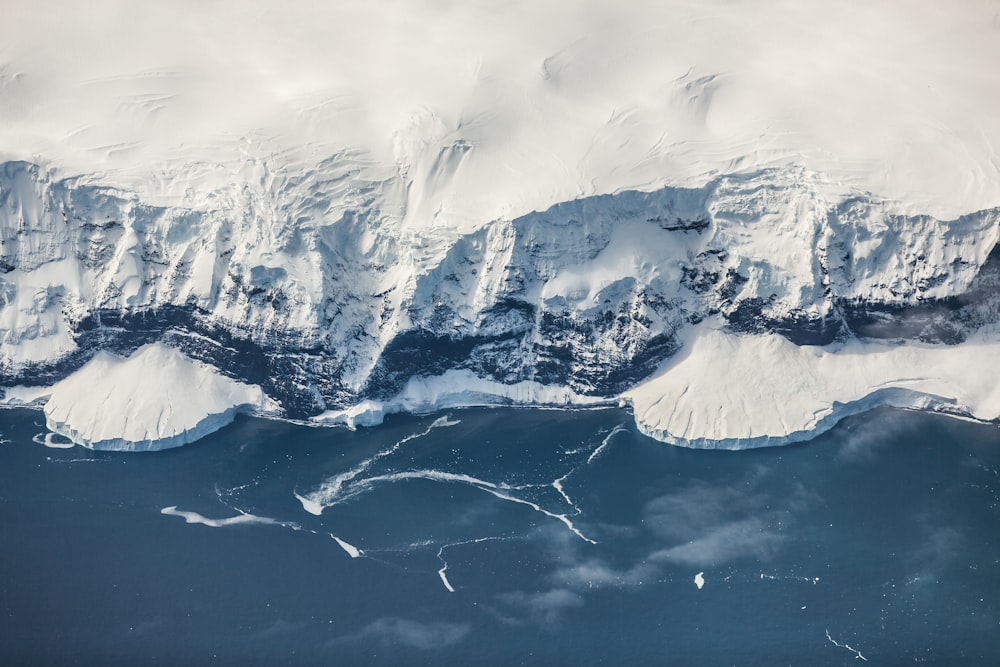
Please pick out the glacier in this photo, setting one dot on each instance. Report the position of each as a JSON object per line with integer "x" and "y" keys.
{"x": 155, "y": 399}
{"x": 733, "y": 232}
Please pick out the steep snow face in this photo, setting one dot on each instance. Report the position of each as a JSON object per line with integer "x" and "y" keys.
{"x": 324, "y": 298}
{"x": 155, "y": 399}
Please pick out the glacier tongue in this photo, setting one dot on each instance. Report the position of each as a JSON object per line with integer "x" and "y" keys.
{"x": 738, "y": 391}
{"x": 155, "y": 399}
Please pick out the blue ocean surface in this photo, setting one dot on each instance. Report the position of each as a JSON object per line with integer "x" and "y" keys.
{"x": 503, "y": 537}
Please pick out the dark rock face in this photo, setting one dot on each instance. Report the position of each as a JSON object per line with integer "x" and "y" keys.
{"x": 944, "y": 321}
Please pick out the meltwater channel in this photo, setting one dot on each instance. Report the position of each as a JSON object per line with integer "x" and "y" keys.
{"x": 503, "y": 536}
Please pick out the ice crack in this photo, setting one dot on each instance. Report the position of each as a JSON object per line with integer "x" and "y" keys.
{"x": 444, "y": 563}
{"x": 538, "y": 508}
{"x": 604, "y": 443}
{"x": 856, "y": 652}
{"x": 329, "y": 493}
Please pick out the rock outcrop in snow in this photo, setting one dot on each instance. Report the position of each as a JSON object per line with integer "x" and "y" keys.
{"x": 326, "y": 309}
{"x": 587, "y": 298}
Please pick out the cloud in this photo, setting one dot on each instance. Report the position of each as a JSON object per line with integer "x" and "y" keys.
{"x": 690, "y": 513}
{"x": 545, "y": 606}
{"x": 941, "y": 547}
{"x": 749, "y": 538}
{"x": 594, "y": 573}
{"x": 414, "y": 634}
{"x": 863, "y": 440}
{"x": 693, "y": 527}
{"x": 712, "y": 525}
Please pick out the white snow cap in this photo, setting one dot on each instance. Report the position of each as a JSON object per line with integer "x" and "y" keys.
{"x": 496, "y": 109}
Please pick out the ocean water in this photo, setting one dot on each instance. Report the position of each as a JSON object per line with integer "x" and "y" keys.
{"x": 502, "y": 537}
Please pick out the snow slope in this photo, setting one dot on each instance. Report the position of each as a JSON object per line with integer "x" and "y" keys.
{"x": 497, "y": 109}
{"x": 155, "y": 399}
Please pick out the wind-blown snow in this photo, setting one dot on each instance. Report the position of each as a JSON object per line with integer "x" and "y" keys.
{"x": 496, "y": 109}
{"x": 155, "y": 399}
{"x": 733, "y": 391}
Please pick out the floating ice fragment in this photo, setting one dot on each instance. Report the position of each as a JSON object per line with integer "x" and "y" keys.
{"x": 48, "y": 439}
{"x": 333, "y": 490}
{"x": 309, "y": 505}
{"x": 242, "y": 518}
{"x": 351, "y": 550}
{"x": 444, "y": 578}
{"x": 604, "y": 443}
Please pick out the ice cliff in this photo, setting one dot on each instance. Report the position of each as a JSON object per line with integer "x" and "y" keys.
{"x": 327, "y": 310}
{"x": 155, "y": 399}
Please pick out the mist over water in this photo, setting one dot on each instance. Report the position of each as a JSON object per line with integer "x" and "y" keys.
{"x": 503, "y": 537}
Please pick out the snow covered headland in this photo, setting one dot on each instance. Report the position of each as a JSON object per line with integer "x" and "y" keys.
{"x": 745, "y": 220}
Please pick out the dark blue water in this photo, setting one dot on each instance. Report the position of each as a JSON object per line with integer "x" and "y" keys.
{"x": 879, "y": 539}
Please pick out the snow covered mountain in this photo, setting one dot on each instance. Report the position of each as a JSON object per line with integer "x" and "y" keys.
{"x": 585, "y": 218}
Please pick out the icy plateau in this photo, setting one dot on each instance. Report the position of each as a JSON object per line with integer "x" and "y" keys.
{"x": 667, "y": 210}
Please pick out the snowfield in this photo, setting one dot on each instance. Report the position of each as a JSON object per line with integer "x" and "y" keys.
{"x": 497, "y": 109}
{"x": 745, "y": 220}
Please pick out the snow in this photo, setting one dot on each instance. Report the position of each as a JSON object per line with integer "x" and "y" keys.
{"x": 456, "y": 389}
{"x": 155, "y": 399}
{"x": 21, "y": 396}
{"x": 497, "y": 109}
{"x": 36, "y": 293}
{"x": 333, "y": 175}
{"x": 738, "y": 391}
{"x": 723, "y": 390}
